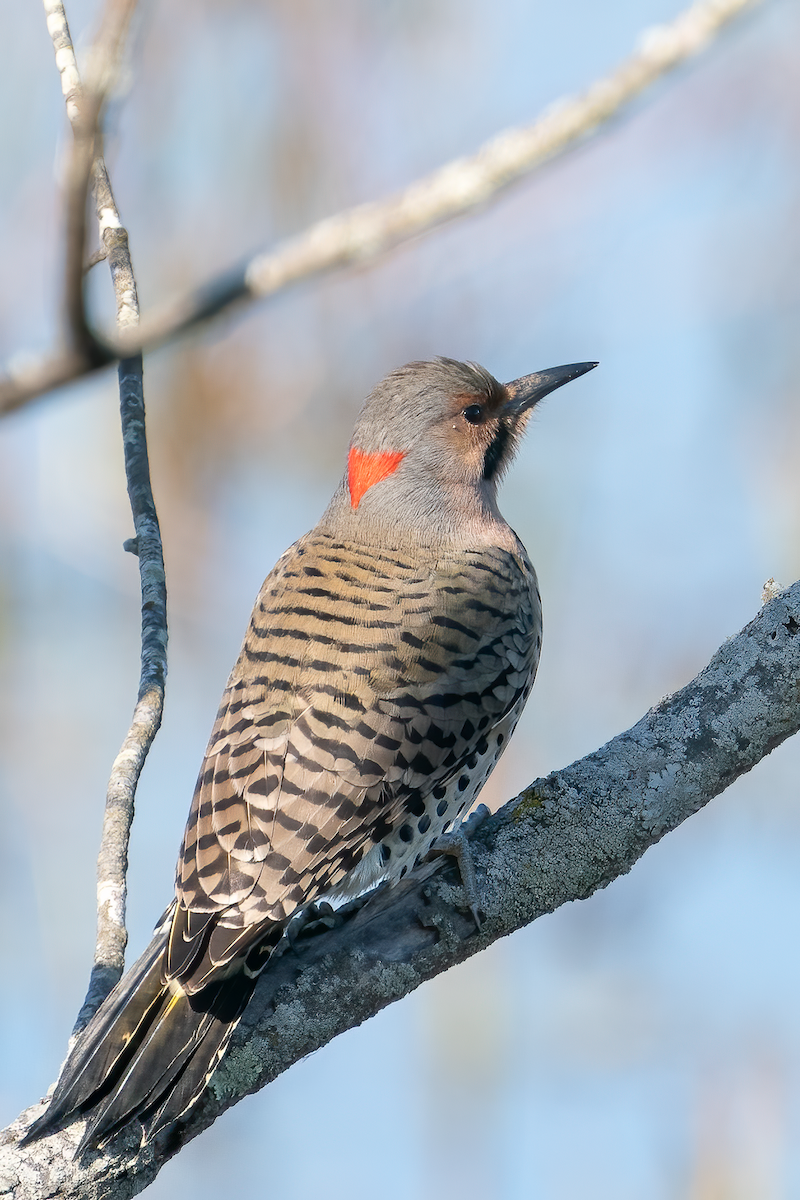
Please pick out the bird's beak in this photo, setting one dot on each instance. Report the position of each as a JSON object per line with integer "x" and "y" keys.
{"x": 530, "y": 389}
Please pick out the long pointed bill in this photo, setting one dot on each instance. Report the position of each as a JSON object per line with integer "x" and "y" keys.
{"x": 530, "y": 389}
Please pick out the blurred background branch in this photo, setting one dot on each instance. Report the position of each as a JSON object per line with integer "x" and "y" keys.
{"x": 362, "y": 234}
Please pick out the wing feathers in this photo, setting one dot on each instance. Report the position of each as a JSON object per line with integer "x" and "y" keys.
{"x": 302, "y": 771}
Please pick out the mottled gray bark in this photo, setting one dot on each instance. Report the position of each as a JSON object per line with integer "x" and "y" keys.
{"x": 561, "y": 839}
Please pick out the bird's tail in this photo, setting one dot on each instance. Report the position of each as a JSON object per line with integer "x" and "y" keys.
{"x": 147, "y": 1053}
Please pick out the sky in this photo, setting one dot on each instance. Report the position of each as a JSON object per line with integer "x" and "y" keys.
{"x": 642, "y": 1043}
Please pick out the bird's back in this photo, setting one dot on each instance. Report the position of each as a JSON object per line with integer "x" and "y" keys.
{"x": 375, "y": 690}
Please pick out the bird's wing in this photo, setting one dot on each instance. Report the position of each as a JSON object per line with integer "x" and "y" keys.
{"x": 364, "y": 678}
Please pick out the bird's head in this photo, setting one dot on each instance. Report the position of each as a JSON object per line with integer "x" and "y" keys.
{"x": 432, "y": 442}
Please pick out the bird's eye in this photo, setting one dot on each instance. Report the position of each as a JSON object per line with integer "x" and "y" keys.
{"x": 473, "y": 413}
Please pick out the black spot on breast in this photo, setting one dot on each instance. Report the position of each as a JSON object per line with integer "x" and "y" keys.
{"x": 416, "y": 805}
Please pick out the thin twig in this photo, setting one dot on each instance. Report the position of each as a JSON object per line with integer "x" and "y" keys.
{"x": 560, "y": 840}
{"x": 84, "y": 107}
{"x": 112, "y": 859}
{"x": 361, "y": 234}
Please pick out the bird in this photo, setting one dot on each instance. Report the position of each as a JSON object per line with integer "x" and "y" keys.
{"x": 388, "y": 657}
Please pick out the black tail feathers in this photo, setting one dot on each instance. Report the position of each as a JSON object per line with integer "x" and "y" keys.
{"x": 147, "y": 1053}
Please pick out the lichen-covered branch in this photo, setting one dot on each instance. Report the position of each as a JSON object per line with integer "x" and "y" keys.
{"x": 561, "y": 839}
{"x": 84, "y": 106}
{"x": 361, "y": 234}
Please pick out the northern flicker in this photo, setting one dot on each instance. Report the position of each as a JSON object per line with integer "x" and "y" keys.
{"x": 388, "y": 658}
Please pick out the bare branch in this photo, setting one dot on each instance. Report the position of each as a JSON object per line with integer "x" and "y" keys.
{"x": 468, "y": 183}
{"x": 85, "y": 125}
{"x": 561, "y": 839}
{"x": 361, "y": 234}
{"x": 85, "y": 103}
{"x": 84, "y": 106}
{"x": 112, "y": 859}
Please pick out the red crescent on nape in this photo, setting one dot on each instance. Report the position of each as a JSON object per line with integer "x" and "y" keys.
{"x": 365, "y": 470}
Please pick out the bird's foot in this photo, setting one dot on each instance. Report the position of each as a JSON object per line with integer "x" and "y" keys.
{"x": 475, "y": 819}
{"x": 456, "y": 845}
{"x": 314, "y": 918}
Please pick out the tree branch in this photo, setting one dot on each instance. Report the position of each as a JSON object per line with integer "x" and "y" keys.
{"x": 85, "y": 104}
{"x": 84, "y": 107}
{"x": 361, "y": 234}
{"x": 112, "y": 859}
{"x": 563, "y": 838}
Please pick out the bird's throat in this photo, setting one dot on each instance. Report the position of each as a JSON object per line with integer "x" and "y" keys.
{"x": 365, "y": 470}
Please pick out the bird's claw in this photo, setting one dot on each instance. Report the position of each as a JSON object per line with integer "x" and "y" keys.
{"x": 314, "y": 918}
{"x": 456, "y": 845}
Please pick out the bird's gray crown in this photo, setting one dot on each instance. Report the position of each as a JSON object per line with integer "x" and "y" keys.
{"x": 411, "y": 398}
